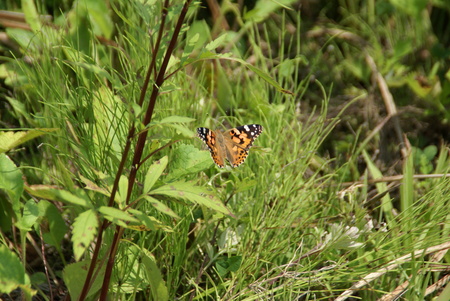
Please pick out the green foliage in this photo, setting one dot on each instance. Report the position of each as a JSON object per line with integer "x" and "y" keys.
{"x": 423, "y": 159}
{"x": 10, "y": 140}
{"x": 74, "y": 275}
{"x": 154, "y": 277}
{"x": 12, "y": 274}
{"x": 11, "y": 181}
{"x": 84, "y": 230}
{"x": 103, "y": 167}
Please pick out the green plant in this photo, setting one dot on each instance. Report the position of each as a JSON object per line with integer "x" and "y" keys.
{"x": 315, "y": 212}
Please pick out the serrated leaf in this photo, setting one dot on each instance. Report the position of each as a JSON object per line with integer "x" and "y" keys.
{"x": 194, "y": 194}
{"x": 53, "y": 194}
{"x": 154, "y": 172}
{"x": 10, "y": 140}
{"x": 83, "y": 233}
{"x": 160, "y": 206}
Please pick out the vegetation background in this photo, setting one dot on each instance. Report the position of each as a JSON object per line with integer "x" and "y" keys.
{"x": 105, "y": 193}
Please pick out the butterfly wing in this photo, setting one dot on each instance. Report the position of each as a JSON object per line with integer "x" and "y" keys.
{"x": 211, "y": 140}
{"x": 239, "y": 140}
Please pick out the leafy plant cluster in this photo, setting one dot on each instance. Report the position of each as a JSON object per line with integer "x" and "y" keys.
{"x": 105, "y": 193}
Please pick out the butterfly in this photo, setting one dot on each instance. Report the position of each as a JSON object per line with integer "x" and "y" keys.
{"x": 233, "y": 144}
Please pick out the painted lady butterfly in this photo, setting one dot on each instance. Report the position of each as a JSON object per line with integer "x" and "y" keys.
{"x": 232, "y": 144}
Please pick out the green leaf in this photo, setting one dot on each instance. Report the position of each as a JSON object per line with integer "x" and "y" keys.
{"x": 135, "y": 279}
{"x": 411, "y": 7}
{"x": 94, "y": 187}
{"x": 194, "y": 194}
{"x": 231, "y": 264}
{"x": 386, "y": 203}
{"x": 143, "y": 218}
{"x": 29, "y": 217}
{"x": 7, "y": 216}
{"x": 10, "y": 140}
{"x": 154, "y": 172}
{"x": 260, "y": 73}
{"x": 430, "y": 152}
{"x": 121, "y": 195}
{"x": 154, "y": 277}
{"x": 189, "y": 47}
{"x": 74, "y": 276}
{"x": 245, "y": 185}
{"x": 216, "y": 43}
{"x": 445, "y": 294}
{"x": 160, "y": 206}
{"x": 24, "y": 39}
{"x": 84, "y": 231}
{"x": 407, "y": 187}
{"x": 52, "y": 194}
{"x": 11, "y": 181}
{"x": 264, "y": 76}
{"x": 100, "y": 19}
{"x": 116, "y": 216}
{"x": 57, "y": 227}
{"x": 176, "y": 119}
{"x": 12, "y": 273}
{"x": 187, "y": 159}
{"x": 183, "y": 130}
{"x": 31, "y": 15}
{"x": 264, "y": 8}
{"x": 200, "y": 28}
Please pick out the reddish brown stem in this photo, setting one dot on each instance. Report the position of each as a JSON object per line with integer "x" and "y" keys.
{"x": 143, "y": 135}
{"x": 131, "y": 134}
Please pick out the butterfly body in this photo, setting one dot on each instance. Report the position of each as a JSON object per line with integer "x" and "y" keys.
{"x": 232, "y": 145}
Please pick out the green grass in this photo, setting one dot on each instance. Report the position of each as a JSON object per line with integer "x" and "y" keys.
{"x": 302, "y": 219}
